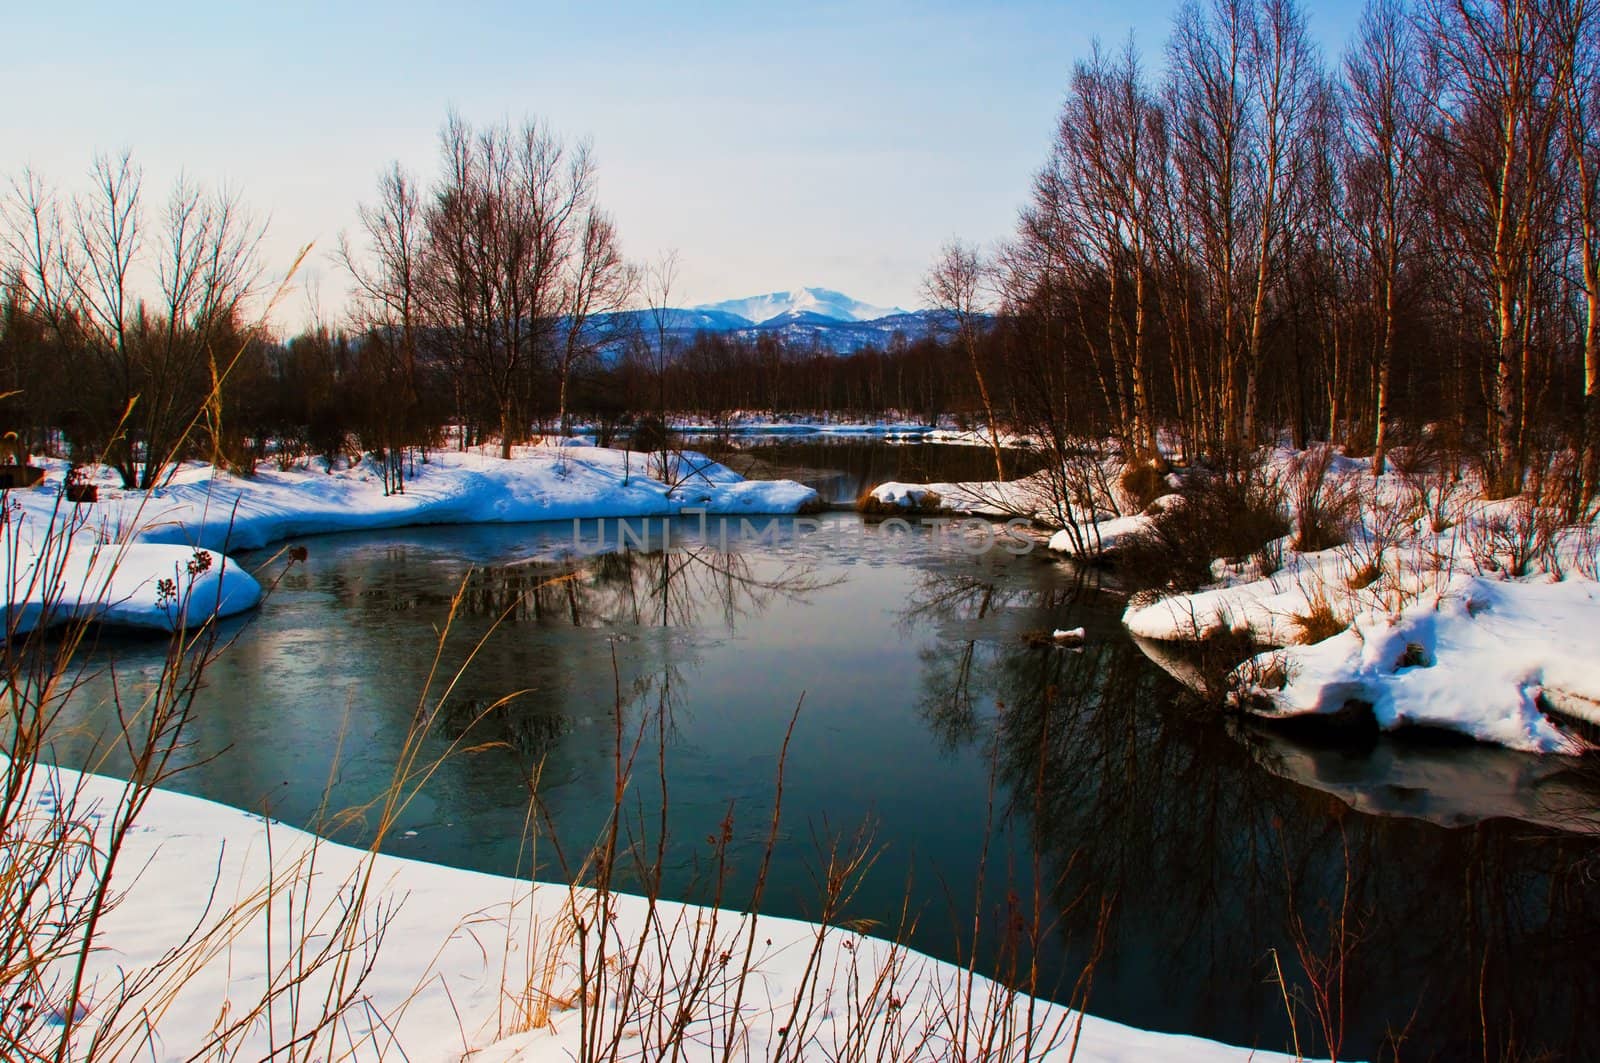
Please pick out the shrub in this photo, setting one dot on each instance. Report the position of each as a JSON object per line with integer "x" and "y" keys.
{"x": 871, "y": 505}
{"x": 1142, "y": 484}
{"x": 1231, "y": 510}
{"x": 650, "y": 435}
{"x": 1515, "y": 539}
{"x": 1324, "y": 508}
{"x": 1429, "y": 472}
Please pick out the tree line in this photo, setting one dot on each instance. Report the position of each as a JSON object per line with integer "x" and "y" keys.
{"x": 1263, "y": 242}
{"x": 1260, "y": 244}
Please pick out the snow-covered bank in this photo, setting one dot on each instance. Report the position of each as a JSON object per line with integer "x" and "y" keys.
{"x": 142, "y": 585}
{"x": 891, "y": 430}
{"x": 221, "y": 511}
{"x": 463, "y": 951}
{"x": 1498, "y": 596}
{"x": 1096, "y": 531}
{"x": 56, "y": 567}
{"x": 1435, "y": 608}
{"x": 1479, "y": 657}
{"x": 126, "y": 544}
{"x": 1028, "y": 497}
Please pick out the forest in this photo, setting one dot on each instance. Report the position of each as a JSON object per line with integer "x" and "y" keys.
{"x": 1262, "y": 244}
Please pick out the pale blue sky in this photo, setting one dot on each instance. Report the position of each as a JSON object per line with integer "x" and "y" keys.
{"x": 829, "y": 144}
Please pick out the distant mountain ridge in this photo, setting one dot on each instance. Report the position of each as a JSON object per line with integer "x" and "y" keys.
{"x": 800, "y": 304}
{"x": 816, "y": 317}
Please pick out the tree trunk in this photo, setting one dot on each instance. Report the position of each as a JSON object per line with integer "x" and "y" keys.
{"x": 988, "y": 410}
{"x": 1507, "y": 476}
{"x": 1380, "y": 439}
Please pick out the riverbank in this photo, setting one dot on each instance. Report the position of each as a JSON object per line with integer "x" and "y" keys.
{"x": 1407, "y": 598}
{"x": 127, "y": 543}
{"x": 478, "y": 966}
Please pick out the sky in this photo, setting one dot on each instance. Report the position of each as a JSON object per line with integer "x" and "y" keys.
{"x": 773, "y": 146}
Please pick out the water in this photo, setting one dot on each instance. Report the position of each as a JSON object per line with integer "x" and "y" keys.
{"x": 842, "y": 467}
{"x": 929, "y": 716}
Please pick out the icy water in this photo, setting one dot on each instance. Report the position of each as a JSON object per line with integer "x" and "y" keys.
{"x": 930, "y": 721}
{"x": 841, "y": 467}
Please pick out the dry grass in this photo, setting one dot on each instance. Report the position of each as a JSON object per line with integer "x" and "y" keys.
{"x": 1517, "y": 538}
{"x": 1232, "y": 511}
{"x": 1325, "y": 507}
{"x": 1319, "y": 620}
{"x": 930, "y": 503}
{"x": 1142, "y": 484}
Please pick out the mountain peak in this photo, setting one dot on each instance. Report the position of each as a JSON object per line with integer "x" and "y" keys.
{"x": 821, "y": 302}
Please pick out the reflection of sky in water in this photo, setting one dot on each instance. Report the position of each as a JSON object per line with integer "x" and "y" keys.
{"x": 902, "y": 647}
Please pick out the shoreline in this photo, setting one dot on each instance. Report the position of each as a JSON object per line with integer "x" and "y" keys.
{"x": 125, "y": 545}
{"x": 459, "y": 940}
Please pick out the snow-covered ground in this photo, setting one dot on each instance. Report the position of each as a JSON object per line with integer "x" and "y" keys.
{"x": 1025, "y": 497}
{"x": 464, "y": 952}
{"x": 123, "y": 546}
{"x": 1455, "y": 612}
{"x": 1478, "y": 657}
{"x": 1097, "y": 530}
{"x": 888, "y": 429}
{"x": 1436, "y": 630}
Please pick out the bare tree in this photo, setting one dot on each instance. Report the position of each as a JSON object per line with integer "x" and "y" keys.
{"x": 1285, "y": 79}
{"x": 1578, "y": 62}
{"x": 388, "y": 308}
{"x": 154, "y": 350}
{"x": 1096, "y": 201}
{"x": 1386, "y": 96}
{"x": 1208, "y": 98}
{"x": 599, "y": 283}
{"x": 660, "y": 277}
{"x": 501, "y": 229}
{"x": 1497, "y": 114}
{"x": 954, "y": 286}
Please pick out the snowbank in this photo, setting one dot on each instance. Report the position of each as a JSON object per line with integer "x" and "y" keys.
{"x": 124, "y": 545}
{"x": 1439, "y": 610}
{"x": 1478, "y": 658}
{"x": 55, "y": 568}
{"x": 1266, "y": 608}
{"x": 1098, "y": 529}
{"x": 221, "y": 511}
{"x": 982, "y": 498}
{"x": 462, "y": 946}
{"x": 890, "y": 429}
{"x": 1098, "y": 537}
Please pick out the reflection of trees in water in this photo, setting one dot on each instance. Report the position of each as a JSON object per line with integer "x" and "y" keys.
{"x": 684, "y": 588}
{"x": 1465, "y": 938}
{"x": 664, "y": 588}
{"x": 958, "y": 683}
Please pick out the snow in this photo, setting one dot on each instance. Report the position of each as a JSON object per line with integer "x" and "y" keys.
{"x": 977, "y": 498}
{"x": 1476, "y": 659}
{"x": 1501, "y": 647}
{"x": 460, "y": 947}
{"x": 1100, "y": 529}
{"x": 55, "y": 568}
{"x": 123, "y": 545}
{"x": 1265, "y": 608}
{"x": 1102, "y": 536}
{"x": 824, "y": 302}
{"x": 1436, "y": 630}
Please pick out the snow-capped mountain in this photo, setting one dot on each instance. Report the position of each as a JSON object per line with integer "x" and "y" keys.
{"x": 818, "y": 318}
{"x": 815, "y": 303}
